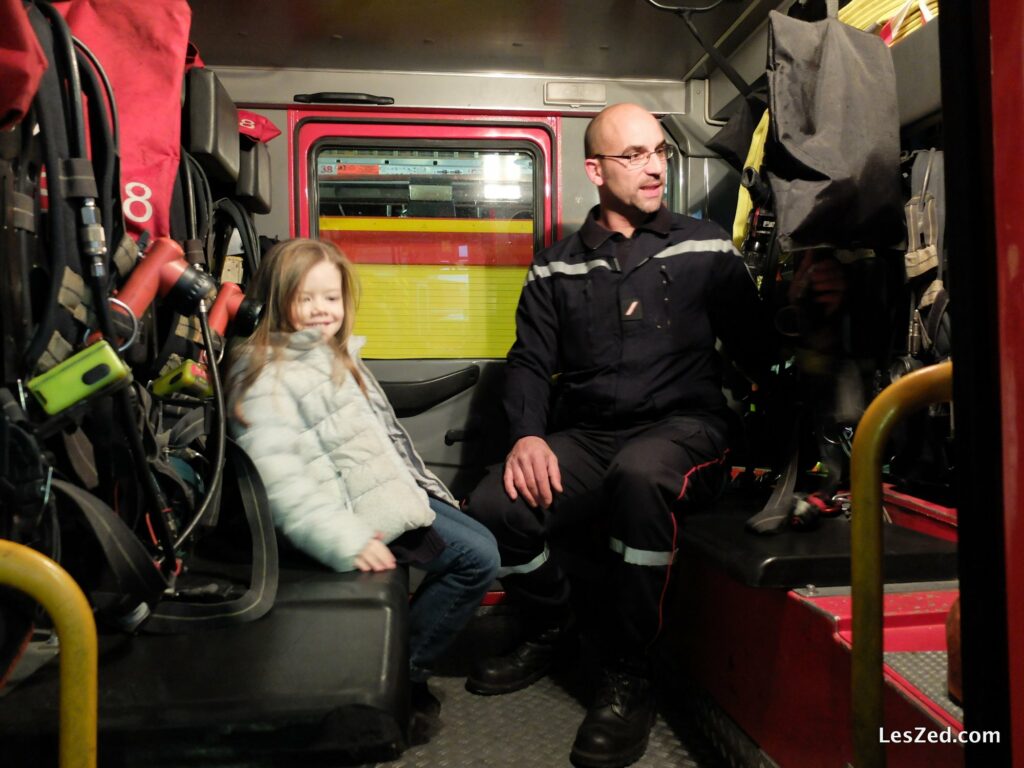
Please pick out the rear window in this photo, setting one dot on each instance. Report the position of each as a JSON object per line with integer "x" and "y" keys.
{"x": 441, "y": 236}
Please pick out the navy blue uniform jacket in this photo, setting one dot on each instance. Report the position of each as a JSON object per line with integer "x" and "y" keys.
{"x": 633, "y": 342}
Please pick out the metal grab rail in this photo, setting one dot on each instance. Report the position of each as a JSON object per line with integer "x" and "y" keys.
{"x": 42, "y": 579}
{"x": 910, "y": 393}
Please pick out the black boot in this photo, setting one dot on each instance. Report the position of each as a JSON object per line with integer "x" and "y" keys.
{"x": 615, "y": 731}
{"x": 523, "y": 667}
{"x": 425, "y": 713}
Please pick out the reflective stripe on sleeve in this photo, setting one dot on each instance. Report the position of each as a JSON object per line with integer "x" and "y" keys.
{"x": 540, "y": 271}
{"x": 697, "y": 246}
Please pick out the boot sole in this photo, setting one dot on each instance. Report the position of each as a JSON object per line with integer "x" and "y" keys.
{"x": 497, "y": 689}
{"x": 618, "y": 760}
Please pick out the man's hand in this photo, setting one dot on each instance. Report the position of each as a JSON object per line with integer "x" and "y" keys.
{"x": 531, "y": 469}
{"x": 375, "y": 556}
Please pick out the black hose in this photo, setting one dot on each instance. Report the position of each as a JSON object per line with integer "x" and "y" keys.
{"x": 72, "y": 93}
{"x": 156, "y": 494}
{"x": 213, "y": 489}
{"x": 188, "y": 191}
{"x": 204, "y": 188}
{"x": 115, "y": 128}
{"x": 108, "y": 182}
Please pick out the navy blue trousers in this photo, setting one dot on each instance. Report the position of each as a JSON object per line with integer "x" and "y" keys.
{"x": 627, "y": 487}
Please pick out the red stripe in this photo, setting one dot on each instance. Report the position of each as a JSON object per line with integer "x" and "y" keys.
{"x": 675, "y": 535}
{"x": 686, "y": 477}
{"x": 456, "y": 248}
{"x": 664, "y": 588}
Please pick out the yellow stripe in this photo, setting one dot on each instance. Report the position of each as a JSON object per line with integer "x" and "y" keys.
{"x": 437, "y": 311}
{"x": 390, "y": 224}
{"x": 865, "y": 13}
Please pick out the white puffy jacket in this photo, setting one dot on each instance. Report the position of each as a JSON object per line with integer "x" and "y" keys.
{"x": 337, "y": 465}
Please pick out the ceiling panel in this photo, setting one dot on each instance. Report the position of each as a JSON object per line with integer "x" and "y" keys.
{"x": 584, "y": 38}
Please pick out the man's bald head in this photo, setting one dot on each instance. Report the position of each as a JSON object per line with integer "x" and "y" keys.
{"x": 609, "y": 124}
{"x": 628, "y": 190}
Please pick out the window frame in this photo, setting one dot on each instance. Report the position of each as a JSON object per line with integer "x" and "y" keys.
{"x": 540, "y": 219}
{"x": 312, "y": 127}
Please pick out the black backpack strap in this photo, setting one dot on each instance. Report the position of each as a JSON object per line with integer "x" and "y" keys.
{"x": 56, "y": 331}
{"x": 17, "y": 243}
{"x": 180, "y": 615}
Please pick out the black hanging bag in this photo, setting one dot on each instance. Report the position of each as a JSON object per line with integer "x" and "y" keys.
{"x": 832, "y": 152}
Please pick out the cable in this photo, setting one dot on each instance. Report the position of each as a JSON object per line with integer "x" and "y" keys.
{"x": 213, "y": 491}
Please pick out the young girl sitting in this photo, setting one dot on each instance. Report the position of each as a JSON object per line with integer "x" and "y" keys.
{"x": 345, "y": 483}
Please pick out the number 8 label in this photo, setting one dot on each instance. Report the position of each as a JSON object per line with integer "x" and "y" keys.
{"x": 136, "y": 195}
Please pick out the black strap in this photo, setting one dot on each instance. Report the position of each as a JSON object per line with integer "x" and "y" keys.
{"x": 229, "y": 215}
{"x": 136, "y": 576}
{"x": 138, "y": 580}
{"x": 175, "y": 616}
{"x": 775, "y": 513}
{"x": 935, "y": 314}
{"x": 62, "y": 244}
{"x": 18, "y": 243}
{"x": 721, "y": 62}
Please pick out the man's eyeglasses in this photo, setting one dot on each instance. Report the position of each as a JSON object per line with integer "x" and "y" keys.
{"x": 640, "y": 159}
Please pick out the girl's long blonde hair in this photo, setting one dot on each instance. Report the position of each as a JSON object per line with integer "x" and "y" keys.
{"x": 275, "y": 285}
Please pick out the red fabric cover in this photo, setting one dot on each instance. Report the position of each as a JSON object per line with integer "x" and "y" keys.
{"x": 142, "y": 47}
{"x": 256, "y": 127}
{"x": 22, "y": 63}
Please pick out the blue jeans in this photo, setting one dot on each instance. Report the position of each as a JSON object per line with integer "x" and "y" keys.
{"x": 456, "y": 580}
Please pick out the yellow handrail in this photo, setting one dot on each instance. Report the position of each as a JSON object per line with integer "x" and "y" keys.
{"x": 42, "y": 579}
{"x": 910, "y": 393}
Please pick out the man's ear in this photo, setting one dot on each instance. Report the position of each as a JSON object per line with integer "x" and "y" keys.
{"x": 592, "y": 165}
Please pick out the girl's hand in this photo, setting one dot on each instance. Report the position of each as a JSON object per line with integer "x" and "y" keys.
{"x": 375, "y": 556}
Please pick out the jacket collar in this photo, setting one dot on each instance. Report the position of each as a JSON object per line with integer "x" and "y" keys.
{"x": 595, "y": 234}
{"x": 303, "y": 341}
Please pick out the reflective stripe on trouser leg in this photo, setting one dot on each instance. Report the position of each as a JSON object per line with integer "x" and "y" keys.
{"x": 633, "y": 556}
{"x": 532, "y": 565}
{"x": 528, "y": 572}
{"x": 644, "y": 484}
{"x": 639, "y": 586}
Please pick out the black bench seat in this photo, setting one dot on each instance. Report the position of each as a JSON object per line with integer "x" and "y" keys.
{"x": 325, "y": 671}
{"x": 793, "y": 559}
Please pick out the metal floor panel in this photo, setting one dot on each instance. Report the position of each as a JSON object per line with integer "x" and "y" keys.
{"x": 535, "y": 728}
{"x": 926, "y": 670}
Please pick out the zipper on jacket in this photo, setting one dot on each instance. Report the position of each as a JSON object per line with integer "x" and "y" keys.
{"x": 666, "y": 283}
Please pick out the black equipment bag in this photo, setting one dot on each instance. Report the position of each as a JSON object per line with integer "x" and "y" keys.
{"x": 832, "y": 151}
